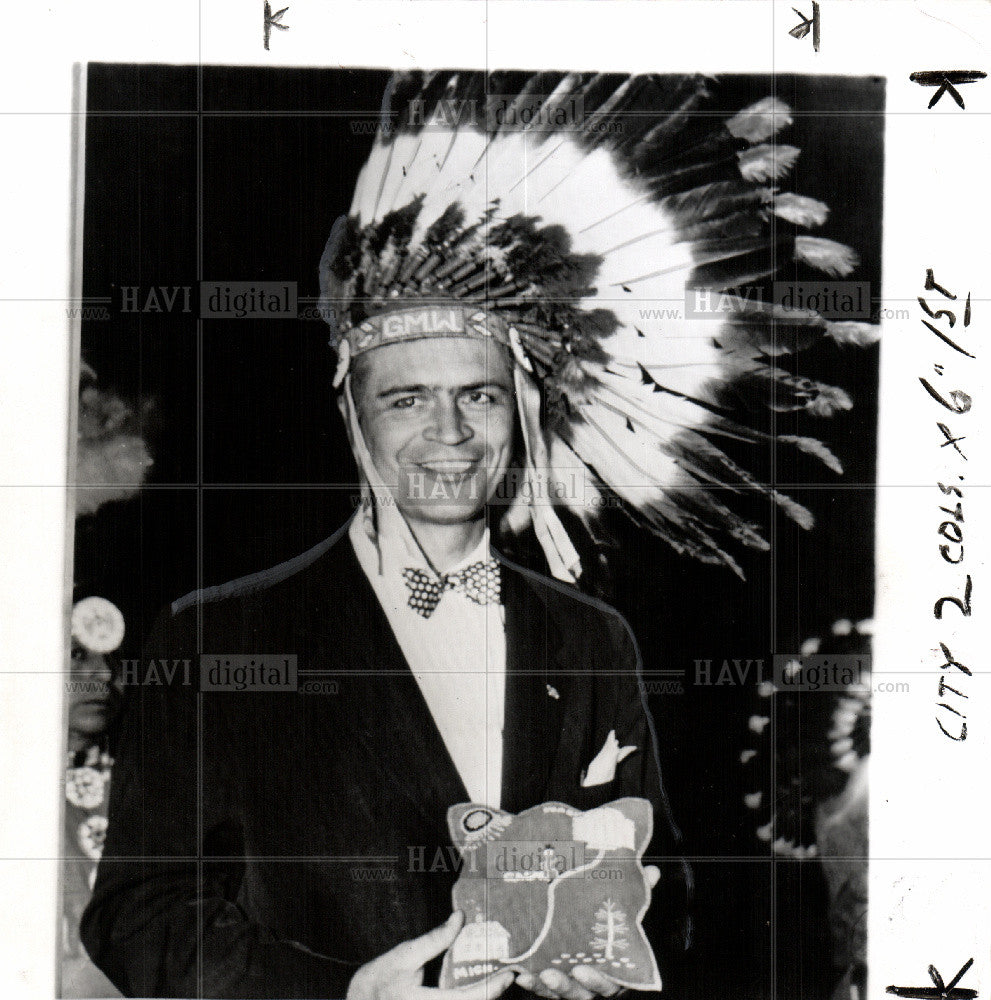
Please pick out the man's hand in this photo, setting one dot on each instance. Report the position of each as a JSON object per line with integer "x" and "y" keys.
{"x": 584, "y": 982}
{"x": 398, "y": 974}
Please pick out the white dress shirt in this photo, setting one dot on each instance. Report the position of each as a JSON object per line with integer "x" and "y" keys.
{"x": 457, "y": 655}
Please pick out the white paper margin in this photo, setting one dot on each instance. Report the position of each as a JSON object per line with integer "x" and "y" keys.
{"x": 929, "y": 841}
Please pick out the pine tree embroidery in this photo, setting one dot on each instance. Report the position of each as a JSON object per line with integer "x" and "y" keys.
{"x": 610, "y": 929}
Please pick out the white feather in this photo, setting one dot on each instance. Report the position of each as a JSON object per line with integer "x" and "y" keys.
{"x": 828, "y": 256}
{"x": 767, "y": 162}
{"x": 760, "y": 121}
{"x": 800, "y": 210}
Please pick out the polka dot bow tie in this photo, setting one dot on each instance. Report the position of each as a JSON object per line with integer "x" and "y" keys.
{"x": 479, "y": 582}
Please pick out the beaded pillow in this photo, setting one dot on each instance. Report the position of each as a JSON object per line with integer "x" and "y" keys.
{"x": 552, "y": 888}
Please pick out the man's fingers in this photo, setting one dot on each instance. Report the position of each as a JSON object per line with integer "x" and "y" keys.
{"x": 564, "y": 986}
{"x": 416, "y": 953}
{"x": 532, "y": 984}
{"x": 653, "y": 874}
{"x": 594, "y": 980}
{"x": 488, "y": 989}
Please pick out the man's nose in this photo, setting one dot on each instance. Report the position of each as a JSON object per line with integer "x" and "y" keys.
{"x": 96, "y": 668}
{"x": 449, "y": 425}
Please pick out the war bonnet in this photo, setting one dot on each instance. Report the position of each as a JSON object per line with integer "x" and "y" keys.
{"x": 479, "y": 214}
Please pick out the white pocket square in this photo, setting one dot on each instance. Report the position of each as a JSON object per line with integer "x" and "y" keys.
{"x": 603, "y": 767}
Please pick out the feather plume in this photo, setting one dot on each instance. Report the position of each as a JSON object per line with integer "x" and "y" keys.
{"x": 828, "y": 256}
{"x": 853, "y": 333}
{"x": 760, "y": 121}
{"x": 767, "y": 162}
{"x": 799, "y": 210}
{"x": 112, "y": 458}
{"x": 812, "y": 446}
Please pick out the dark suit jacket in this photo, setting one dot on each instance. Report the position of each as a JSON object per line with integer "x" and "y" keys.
{"x": 266, "y": 844}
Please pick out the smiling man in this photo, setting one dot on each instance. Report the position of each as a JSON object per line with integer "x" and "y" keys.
{"x": 430, "y": 405}
{"x": 298, "y": 859}
{"x": 484, "y": 296}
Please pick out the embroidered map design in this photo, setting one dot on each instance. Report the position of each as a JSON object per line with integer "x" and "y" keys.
{"x": 552, "y": 888}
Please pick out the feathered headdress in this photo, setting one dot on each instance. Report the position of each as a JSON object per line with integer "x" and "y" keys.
{"x": 817, "y": 754}
{"x": 557, "y": 212}
{"x": 112, "y": 459}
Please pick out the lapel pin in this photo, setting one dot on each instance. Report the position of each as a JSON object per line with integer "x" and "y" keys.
{"x": 552, "y": 691}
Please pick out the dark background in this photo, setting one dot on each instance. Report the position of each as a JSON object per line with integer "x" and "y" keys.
{"x": 252, "y": 467}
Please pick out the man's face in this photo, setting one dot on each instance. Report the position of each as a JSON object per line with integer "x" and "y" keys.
{"x": 437, "y": 416}
{"x": 93, "y": 699}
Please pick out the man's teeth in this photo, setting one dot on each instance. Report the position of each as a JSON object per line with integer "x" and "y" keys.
{"x": 450, "y": 467}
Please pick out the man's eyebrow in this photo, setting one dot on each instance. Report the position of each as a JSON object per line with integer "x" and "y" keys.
{"x": 408, "y": 390}
{"x": 487, "y": 384}
{"x": 402, "y": 390}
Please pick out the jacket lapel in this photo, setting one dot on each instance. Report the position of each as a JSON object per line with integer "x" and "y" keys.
{"x": 536, "y": 671}
{"x": 387, "y": 714}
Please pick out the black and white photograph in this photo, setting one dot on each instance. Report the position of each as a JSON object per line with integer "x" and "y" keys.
{"x": 521, "y": 452}
{"x": 523, "y": 529}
